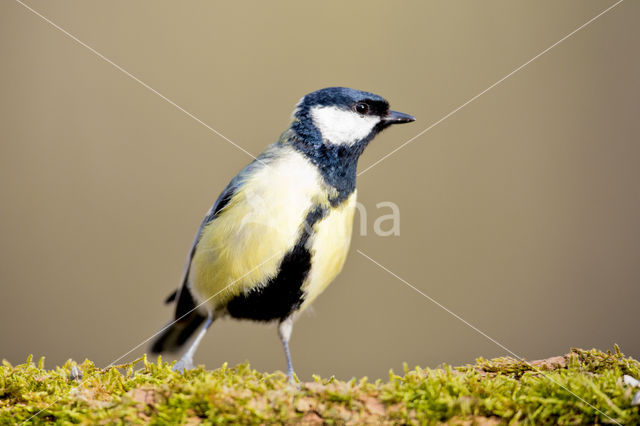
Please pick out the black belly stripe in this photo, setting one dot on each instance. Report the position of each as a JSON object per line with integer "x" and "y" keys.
{"x": 283, "y": 294}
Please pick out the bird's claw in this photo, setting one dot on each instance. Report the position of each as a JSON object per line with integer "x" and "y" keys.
{"x": 183, "y": 365}
{"x": 292, "y": 379}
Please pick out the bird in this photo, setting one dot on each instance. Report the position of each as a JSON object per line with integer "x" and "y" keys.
{"x": 279, "y": 232}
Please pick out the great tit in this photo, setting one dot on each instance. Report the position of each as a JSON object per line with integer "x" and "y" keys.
{"x": 279, "y": 233}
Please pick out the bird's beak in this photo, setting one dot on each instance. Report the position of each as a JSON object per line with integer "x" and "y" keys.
{"x": 395, "y": 117}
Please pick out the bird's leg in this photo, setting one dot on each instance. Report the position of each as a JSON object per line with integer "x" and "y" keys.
{"x": 284, "y": 330}
{"x": 186, "y": 362}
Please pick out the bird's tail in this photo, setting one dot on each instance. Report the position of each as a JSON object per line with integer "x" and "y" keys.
{"x": 187, "y": 321}
{"x": 176, "y": 334}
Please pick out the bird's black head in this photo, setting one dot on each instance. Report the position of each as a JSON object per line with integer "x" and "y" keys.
{"x": 333, "y": 126}
{"x": 344, "y": 117}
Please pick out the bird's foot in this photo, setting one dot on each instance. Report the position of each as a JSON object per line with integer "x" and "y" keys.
{"x": 183, "y": 365}
{"x": 292, "y": 379}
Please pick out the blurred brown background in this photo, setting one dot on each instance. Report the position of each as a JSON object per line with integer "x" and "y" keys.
{"x": 521, "y": 212}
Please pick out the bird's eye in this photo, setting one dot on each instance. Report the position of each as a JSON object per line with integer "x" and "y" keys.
{"x": 361, "y": 108}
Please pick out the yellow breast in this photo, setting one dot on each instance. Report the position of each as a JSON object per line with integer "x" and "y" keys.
{"x": 329, "y": 247}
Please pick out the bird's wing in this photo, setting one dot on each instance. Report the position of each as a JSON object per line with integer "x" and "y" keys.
{"x": 182, "y": 295}
{"x": 187, "y": 317}
{"x": 185, "y": 301}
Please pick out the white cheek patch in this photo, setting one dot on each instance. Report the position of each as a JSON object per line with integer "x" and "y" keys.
{"x": 342, "y": 127}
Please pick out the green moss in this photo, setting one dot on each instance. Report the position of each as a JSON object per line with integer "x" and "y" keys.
{"x": 580, "y": 387}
